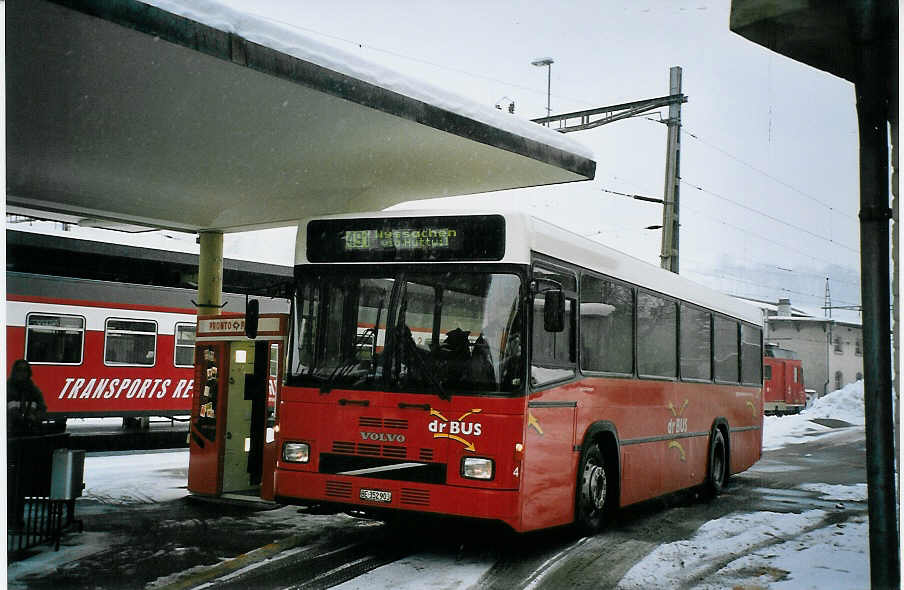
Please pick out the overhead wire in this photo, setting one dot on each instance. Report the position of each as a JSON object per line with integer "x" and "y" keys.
{"x": 763, "y": 285}
{"x": 771, "y": 217}
{"x": 767, "y": 175}
{"x": 693, "y": 135}
{"x": 733, "y": 226}
{"x": 421, "y": 61}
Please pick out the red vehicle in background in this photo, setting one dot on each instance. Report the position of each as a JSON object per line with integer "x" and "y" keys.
{"x": 783, "y": 382}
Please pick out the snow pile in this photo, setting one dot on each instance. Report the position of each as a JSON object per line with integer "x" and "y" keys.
{"x": 763, "y": 549}
{"x": 289, "y": 40}
{"x": 845, "y": 404}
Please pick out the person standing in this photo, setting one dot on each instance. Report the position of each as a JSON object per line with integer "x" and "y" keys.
{"x": 25, "y": 407}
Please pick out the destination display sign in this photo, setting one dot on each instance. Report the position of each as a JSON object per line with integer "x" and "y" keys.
{"x": 460, "y": 237}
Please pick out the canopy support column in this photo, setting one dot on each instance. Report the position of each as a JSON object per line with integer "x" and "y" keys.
{"x": 210, "y": 273}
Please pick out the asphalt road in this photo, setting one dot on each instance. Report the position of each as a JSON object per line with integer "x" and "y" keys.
{"x": 185, "y": 544}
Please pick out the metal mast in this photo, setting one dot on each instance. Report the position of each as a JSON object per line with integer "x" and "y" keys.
{"x": 591, "y": 118}
{"x": 669, "y": 250}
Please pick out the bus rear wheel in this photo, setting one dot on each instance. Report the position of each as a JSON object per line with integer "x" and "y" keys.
{"x": 592, "y": 498}
{"x": 718, "y": 464}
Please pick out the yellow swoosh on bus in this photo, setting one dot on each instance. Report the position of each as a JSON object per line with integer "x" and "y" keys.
{"x": 531, "y": 421}
{"x": 469, "y": 446}
{"x": 438, "y": 415}
{"x": 674, "y": 444}
{"x": 675, "y": 412}
{"x": 466, "y": 414}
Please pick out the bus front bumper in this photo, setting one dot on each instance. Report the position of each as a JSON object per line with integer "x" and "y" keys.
{"x": 366, "y": 493}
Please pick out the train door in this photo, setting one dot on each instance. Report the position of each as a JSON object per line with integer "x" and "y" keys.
{"x": 233, "y": 414}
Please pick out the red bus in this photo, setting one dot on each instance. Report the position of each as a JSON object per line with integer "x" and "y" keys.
{"x": 103, "y": 348}
{"x": 495, "y": 366}
{"x": 783, "y": 382}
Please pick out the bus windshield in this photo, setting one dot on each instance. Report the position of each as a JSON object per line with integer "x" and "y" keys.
{"x": 424, "y": 332}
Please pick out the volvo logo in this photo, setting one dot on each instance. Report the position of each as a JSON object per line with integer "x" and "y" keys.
{"x": 382, "y": 437}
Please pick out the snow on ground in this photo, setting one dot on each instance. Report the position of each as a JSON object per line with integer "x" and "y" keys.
{"x": 845, "y": 404}
{"x": 765, "y": 549}
{"x": 409, "y": 574}
{"x": 117, "y": 478}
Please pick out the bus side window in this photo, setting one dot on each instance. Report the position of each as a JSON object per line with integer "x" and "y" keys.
{"x": 752, "y": 355}
{"x": 725, "y": 349}
{"x": 696, "y": 344}
{"x": 657, "y": 336}
{"x": 607, "y": 326}
{"x": 553, "y": 354}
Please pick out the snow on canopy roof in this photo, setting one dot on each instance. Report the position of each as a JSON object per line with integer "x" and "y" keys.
{"x": 289, "y": 40}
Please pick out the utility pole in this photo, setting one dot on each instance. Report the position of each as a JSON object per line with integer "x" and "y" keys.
{"x": 669, "y": 251}
{"x": 591, "y": 118}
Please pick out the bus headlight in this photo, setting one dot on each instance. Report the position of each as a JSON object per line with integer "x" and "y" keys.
{"x": 296, "y": 452}
{"x": 477, "y": 468}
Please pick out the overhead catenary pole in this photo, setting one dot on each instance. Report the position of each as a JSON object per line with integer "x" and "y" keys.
{"x": 670, "y": 221}
{"x": 592, "y": 118}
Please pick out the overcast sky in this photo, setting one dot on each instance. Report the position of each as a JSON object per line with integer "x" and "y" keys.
{"x": 769, "y": 171}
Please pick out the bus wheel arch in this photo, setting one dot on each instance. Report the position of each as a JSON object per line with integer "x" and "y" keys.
{"x": 718, "y": 458}
{"x": 597, "y": 483}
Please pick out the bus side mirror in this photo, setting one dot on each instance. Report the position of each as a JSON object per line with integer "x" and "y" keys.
{"x": 252, "y": 314}
{"x": 554, "y": 311}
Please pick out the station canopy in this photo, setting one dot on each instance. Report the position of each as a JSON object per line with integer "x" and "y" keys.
{"x": 192, "y": 116}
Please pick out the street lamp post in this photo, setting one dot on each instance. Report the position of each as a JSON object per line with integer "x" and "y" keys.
{"x": 546, "y": 61}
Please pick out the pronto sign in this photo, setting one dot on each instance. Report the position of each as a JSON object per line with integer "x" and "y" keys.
{"x": 220, "y": 328}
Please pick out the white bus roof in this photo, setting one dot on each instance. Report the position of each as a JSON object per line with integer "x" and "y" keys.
{"x": 526, "y": 235}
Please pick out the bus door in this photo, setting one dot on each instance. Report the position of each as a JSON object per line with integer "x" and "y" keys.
{"x": 232, "y": 447}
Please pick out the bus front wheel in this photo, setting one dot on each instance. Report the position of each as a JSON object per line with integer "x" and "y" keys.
{"x": 592, "y": 491}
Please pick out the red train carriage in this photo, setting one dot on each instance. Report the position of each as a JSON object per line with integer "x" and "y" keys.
{"x": 103, "y": 349}
{"x": 783, "y": 382}
{"x": 498, "y": 367}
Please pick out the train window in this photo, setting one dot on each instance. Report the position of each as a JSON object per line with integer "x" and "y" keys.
{"x": 54, "y": 339}
{"x": 657, "y": 336}
{"x": 725, "y": 350}
{"x": 130, "y": 342}
{"x": 607, "y": 326}
{"x": 696, "y": 344}
{"x": 185, "y": 345}
{"x": 768, "y": 370}
{"x": 751, "y": 355}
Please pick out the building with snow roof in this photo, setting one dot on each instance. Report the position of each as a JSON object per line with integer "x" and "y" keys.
{"x": 831, "y": 350}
